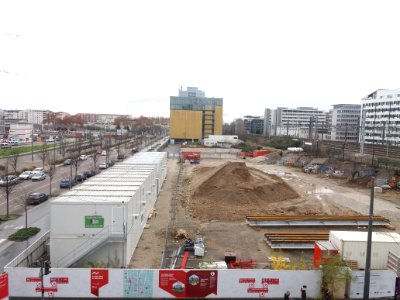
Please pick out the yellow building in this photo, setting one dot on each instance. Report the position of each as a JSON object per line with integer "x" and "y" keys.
{"x": 194, "y": 117}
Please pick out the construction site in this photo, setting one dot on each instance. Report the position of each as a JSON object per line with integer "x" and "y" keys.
{"x": 253, "y": 213}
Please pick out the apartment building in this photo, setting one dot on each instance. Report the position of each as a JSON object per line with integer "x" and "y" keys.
{"x": 380, "y": 117}
{"x": 193, "y": 116}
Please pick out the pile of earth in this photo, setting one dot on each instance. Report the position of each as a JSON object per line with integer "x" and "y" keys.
{"x": 232, "y": 191}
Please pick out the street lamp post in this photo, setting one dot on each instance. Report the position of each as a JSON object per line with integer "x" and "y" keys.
{"x": 32, "y": 143}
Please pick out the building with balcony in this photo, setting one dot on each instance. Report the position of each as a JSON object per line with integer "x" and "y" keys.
{"x": 380, "y": 117}
{"x": 193, "y": 116}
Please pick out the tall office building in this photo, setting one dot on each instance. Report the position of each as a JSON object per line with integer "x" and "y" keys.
{"x": 344, "y": 122}
{"x": 381, "y": 117}
{"x": 303, "y": 122}
{"x": 193, "y": 116}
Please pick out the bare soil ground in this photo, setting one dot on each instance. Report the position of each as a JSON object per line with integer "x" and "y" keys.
{"x": 213, "y": 199}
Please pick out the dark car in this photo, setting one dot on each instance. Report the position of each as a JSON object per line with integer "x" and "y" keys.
{"x": 68, "y": 162}
{"x": 80, "y": 177}
{"x": 66, "y": 184}
{"x": 9, "y": 180}
{"x": 36, "y": 198}
{"x": 89, "y": 173}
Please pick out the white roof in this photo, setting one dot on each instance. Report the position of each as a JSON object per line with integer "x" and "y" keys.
{"x": 65, "y": 199}
{"x": 357, "y": 236}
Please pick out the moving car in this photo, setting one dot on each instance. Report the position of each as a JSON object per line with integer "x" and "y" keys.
{"x": 83, "y": 157}
{"x": 36, "y": 198}
{"x": 26, "y": 175}
{"x": 66, "y": 184}
{"x": 103, "y": 153}
{"x": 38, "y": 176}
{"x": 9, "y": 180}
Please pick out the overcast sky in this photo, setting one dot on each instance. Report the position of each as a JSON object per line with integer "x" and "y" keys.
{"x": 129, "y": 57}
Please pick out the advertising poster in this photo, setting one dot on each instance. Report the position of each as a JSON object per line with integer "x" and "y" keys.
{"x": 173, "y": 282}
{"x": 98, "y": 279}
{"x": 3, "y": 286}
{"x": 201, "y": 283}
{"x": 382, "y": 284}
{"x": 138, "y": 283}
{"x": 182, "y": 284}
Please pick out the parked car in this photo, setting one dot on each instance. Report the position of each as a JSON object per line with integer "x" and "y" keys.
{"x": 38, "y": 170}
{"x": 66, "y": 184}
{"x": 104, "y": 165}
{"x": 83, "y": 157}
{"x": 80, "y": 177}
{"x": 36, "y": 198}
{"x": 9, "y": 180}
{"x": 38, "y": 176}
{"x": 26, "y": 175}
{"x": 5, "y": 145}
{"x": 68, "y": 162}
{"x": 89, "y": 173}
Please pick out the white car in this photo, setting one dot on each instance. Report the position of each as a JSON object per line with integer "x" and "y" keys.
{"x": 26, "y": 175}
{"x": 103, "y": 166}
{"x": 103, "y": 153}
{"x": 83, "y": 157}
{"x": 38, "y": 177}
{"x": 38, "y": 170}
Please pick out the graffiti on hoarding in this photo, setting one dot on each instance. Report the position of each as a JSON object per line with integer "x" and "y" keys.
{"x": 50, "y": 290}
{"x": 265, "y": 283}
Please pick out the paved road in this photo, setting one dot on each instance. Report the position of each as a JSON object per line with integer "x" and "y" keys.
{"x": 38, "y": 216}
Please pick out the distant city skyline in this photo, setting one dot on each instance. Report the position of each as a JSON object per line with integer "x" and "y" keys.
{"x": 129, "y": 58}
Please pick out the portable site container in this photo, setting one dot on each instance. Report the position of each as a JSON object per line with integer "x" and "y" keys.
{"x": 352, "y": 245}
{"x": 102, "y": 219}
{"x": 159, "y": 159}
{"x": 147, "y": 191}
{"x": 157, "y": 178}
{"x": 149, "y": 186}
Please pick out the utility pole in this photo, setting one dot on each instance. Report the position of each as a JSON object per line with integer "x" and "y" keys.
{"x": 369, "y": 243}
{"x": 345, "y": 139}
{"x": 373, "y": 137}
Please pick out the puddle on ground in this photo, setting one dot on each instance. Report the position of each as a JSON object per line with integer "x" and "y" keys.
{"x": 322, "y": 190}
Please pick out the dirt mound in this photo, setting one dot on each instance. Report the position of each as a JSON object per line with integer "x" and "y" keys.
{"x": 232, "y": 191}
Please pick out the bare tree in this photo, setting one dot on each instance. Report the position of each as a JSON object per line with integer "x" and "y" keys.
{"x": 75, "y": 152}
{"x": 13, "y": 159}
{"x": 43, "y": 154}
{"x": 62, "y": 148}
{"x": 95, "y": 157}
{"x": 51, "y": 170}
{"x": 7, "y": 188}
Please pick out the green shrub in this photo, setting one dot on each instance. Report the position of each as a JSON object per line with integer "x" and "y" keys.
{"x": 24, "y": 234}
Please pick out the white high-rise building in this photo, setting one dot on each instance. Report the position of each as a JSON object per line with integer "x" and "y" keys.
{"x": 380, "y": 117}
{"x": 35, "y": 116}
{"x": 303, "y": 122}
